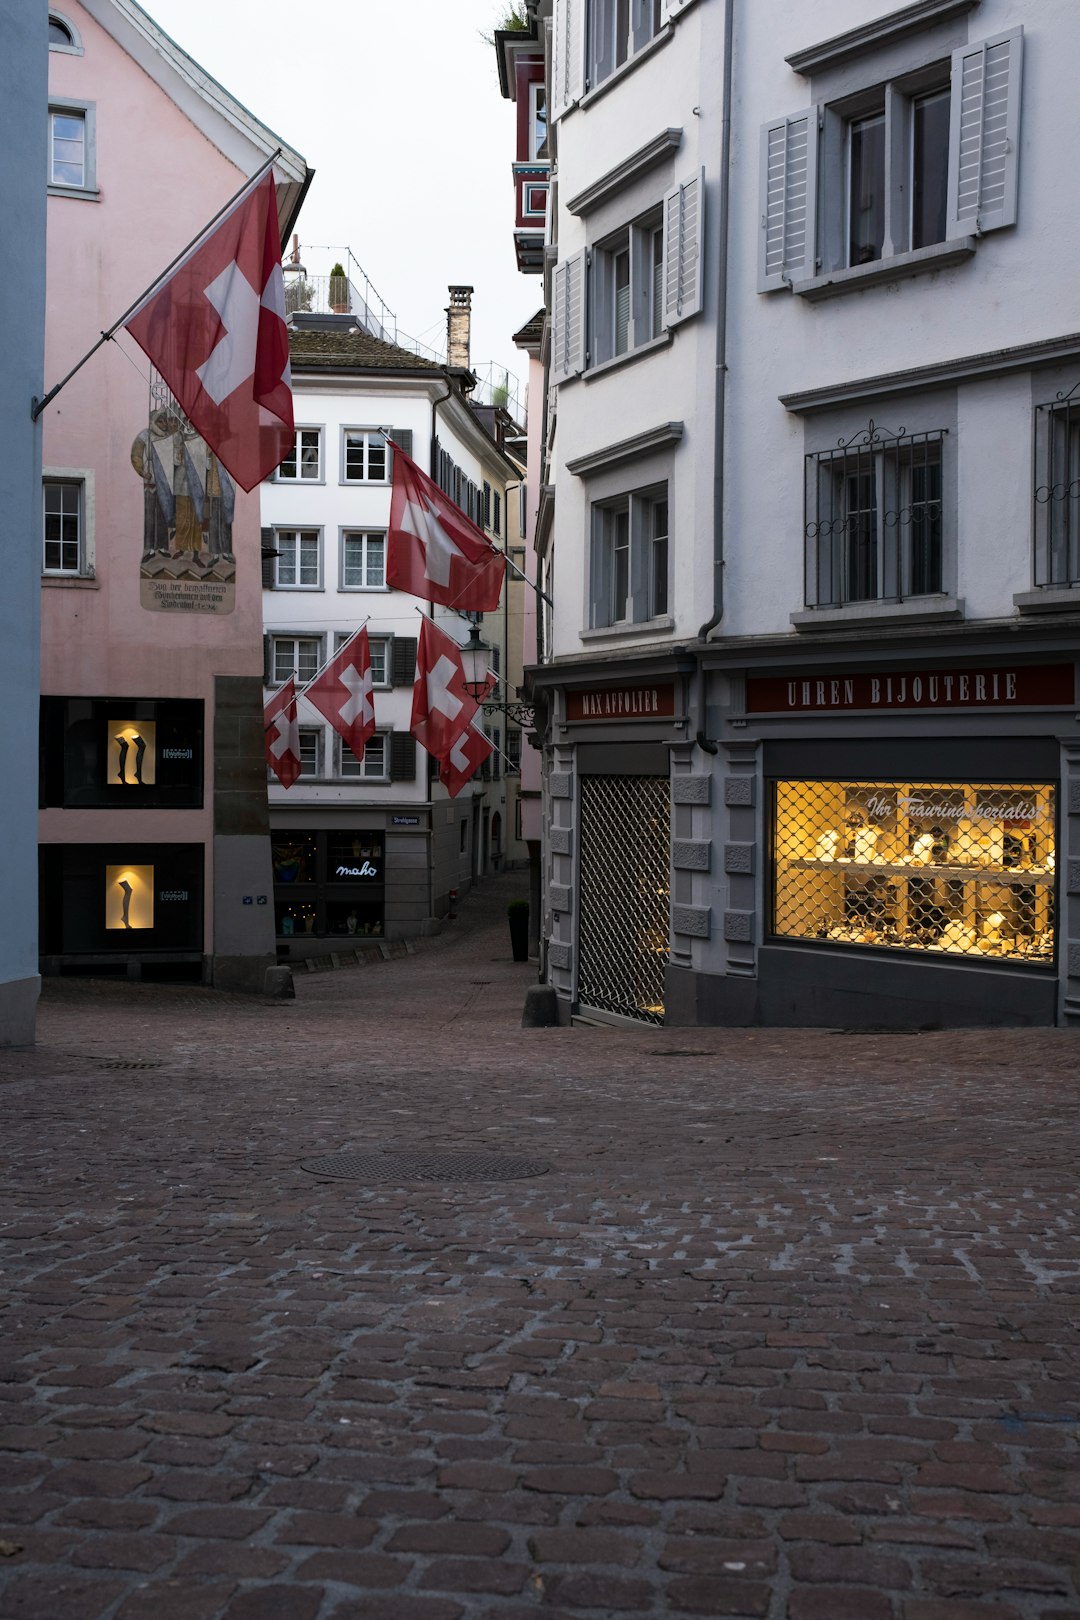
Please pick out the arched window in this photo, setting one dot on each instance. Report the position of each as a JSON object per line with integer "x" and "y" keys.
{"x": 62, "y": 36}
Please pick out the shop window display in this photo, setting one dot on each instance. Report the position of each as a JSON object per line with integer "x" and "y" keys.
{"x": 964, "y": 869}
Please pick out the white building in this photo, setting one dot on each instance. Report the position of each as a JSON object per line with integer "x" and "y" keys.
{"x": 375, "y": 849}
{"x": 813, "y": 449}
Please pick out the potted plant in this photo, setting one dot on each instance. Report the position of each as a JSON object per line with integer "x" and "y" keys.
{"x": 517, "y": 913}
{"x": 339, "y": 290}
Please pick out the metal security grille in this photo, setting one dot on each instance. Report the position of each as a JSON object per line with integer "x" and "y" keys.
{"x": 623, "y": 933}
{"x": 962, "y": 868}
{"x": 1057, "y": 494}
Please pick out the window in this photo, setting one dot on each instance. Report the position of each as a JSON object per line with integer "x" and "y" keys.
{"x": 363, "y": 560}
{"x": 513, "y": 754}
{"x": 538, "y": 146}
{"x": 365, "y": 459}
{"x": 926, "y": 159}
{"x": 63, "y": 37}
{"x": 630, "y": 558}
{"x": 496, "y": 513}
{"x": 72, "y": 146}
{"x": 311, "y": 740}
{"x": 379, "y": 647}
{"x": 298, "y": 564}
{"x": 64, "y": 553}
{"x": 1057, "y": 491}
{"x": 617, "y": 29}
{"x": 874, "y": 518}
{"x": 627, "y": 298}
{"x": 374, "y": 766}
{"x": 303, "y": 464}
{"x": 299, "y": 655}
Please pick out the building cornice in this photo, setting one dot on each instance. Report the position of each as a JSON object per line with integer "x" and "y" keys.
{"x": 632, "y": 449}
{"x": 880, "y": 31}
{"x": 647, "y": 157}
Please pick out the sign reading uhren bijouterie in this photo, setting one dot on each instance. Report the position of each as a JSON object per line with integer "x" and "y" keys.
{"x": 647, "y": 700}
{"x": 1019, "y": 687}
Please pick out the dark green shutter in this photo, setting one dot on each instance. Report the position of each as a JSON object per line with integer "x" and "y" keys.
{"x": 269, "y": 556}
{"x": 402, "y": 756}
{"x": 268, "y": 661}
{"x": 402, "y": 437}
{"x": 403, "y": 661}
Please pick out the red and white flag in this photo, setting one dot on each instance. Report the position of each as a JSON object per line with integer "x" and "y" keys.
{"x": 343, "y": 693}
{"x": 283, "y": 734}
{"x": 441, "y": 707}
{"x": 433, "y": 550}
{"x": 464, "y": 759}
{"x": 216, "y": 332}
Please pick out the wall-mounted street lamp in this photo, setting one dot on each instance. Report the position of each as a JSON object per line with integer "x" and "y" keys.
{"x": 475, "y": 657}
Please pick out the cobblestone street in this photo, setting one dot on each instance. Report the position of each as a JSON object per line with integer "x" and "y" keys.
{"x": 787, "y": 1330}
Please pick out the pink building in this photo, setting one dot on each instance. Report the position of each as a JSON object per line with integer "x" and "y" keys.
{"x": 154, "y": 832}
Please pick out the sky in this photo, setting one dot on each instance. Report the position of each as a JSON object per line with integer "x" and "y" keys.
{"x": 396, "y": 106}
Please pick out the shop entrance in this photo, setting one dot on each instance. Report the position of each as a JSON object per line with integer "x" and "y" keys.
{"x": 623, "y": 886}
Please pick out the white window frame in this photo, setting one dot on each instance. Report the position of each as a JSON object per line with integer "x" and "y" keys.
{"x": 373, "y": 438}
{"x": 617, "y": 31}
{"x": 86, "y": 112}
{"x": 615, "y": 605}
{"x": 538, "y": 91}
{"x": 84, "y": 478}
{"x": 298, "y": 453}
{"x": 307, "y": 736}
{"x": 379, "y": 647}
{"x": 302, "y": 539}
{"x": 364, "y": 535}
{"x": 360, "y": 771}
{"x": 293, "y": 638}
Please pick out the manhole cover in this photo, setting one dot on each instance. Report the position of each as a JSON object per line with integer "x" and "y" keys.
{"x": 425, "y": 1167}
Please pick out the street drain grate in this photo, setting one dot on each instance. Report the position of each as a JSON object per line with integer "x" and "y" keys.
{"x": 425, "y": 1167}
{"x": 126, "y": 1063}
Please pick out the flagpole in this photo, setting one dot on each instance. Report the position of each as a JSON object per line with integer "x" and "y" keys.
{"x": 38, "y": 405}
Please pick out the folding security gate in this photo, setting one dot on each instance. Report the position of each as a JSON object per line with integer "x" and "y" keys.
{"x": 623, "y": 889}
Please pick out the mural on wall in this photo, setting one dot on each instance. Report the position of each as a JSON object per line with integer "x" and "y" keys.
{"x": 188, "y": 564}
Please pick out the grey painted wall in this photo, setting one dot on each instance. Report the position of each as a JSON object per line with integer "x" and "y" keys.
{"x": 24, "y": 97}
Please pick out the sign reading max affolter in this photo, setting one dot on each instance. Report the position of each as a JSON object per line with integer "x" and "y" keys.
{"x": 1020, "y": 687}
{"x": 647, "y": 700}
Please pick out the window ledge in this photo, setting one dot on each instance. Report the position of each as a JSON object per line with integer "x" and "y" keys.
{"x": 1049, "y": 599}
{"x": 84, "y": 193}
{"x": 602, "y": 369}
{"x": 647, "y": 627}
{"x": 918, "y": 610}
{"x": 619, "y": 74}
{"x": 297, "y": 483}
{"x": 939, "y": 256}
{"x": 72, "y": 582}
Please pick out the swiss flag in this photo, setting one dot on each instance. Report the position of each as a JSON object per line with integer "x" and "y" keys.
{"x": 343, "y": 693}
{"x": 433, "y": 550}
{"x": 283, "y": 734}
{"x": 441, "y": 707}
{"x": 216, "y": 332}
{"x": 464, "y": 760}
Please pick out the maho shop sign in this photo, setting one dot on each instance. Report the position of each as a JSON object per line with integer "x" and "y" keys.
{"x": 1036, "y": 686}
{"x": 649, "y": 700}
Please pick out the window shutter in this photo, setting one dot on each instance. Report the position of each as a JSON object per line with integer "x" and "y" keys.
{"x": 788, "y": 242}
{"x": 670, "y": 9}
{"x": 567, "y": 55}
{"x": 402, "y": 437}
{"x": 402, "y": 756}
{"x": 984, "y": 124}
{"x": 403, "y": 661}
{"x": 268, "y": 661}
{"x": 269, "y": 557}
{"x": 682, "y": 250}
{"x": 568, "y": 318}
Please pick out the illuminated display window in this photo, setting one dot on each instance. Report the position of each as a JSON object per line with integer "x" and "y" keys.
{"x": 961, "y": 869}
{"x": 129, "y": 897}
{"x": 132, "y": 752}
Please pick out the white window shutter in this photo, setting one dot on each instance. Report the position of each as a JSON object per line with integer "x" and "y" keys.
{"x": 984, "y": 127}
{"x": 568, "y": 318}
{"x": 567, "y": 55}
{"x": 669, "y": 9}
{"x": 788, "y": 241}
{"x": 683, "y": 257}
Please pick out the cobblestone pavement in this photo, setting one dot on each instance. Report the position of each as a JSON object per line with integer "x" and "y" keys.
{"x": 787, "y": 1330}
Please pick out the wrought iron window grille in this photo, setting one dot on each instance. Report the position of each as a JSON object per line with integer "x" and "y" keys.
{"x": 1056, "y": 527}
{"x": 874, "y": 517}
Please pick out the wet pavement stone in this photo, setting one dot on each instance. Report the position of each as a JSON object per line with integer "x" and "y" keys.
{"x": 788, "y": 1330}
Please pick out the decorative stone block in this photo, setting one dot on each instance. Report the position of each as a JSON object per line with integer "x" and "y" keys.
{"x": 691, "y": 920}
{"x": 558, "y": 897}
{"x": 739, "y": 926}
{"x": 738, "y": 858}
{"x": 691, "y": 789}
{"x": 1074, "y": 798}
{"x": 560, "y": 784}
{"x": 740, "y": 790}
{"x": 690, "y": 855}
{"x": 558, "y": 954}
{"x": 560, "y": 840}
{"x": 1074, "y": 877}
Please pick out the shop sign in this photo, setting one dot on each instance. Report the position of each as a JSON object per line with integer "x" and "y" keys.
{"x": 1034, "y": 686}
{"x": 406, "y": 821}
{"x": 346, "y": 870}
{"x": 645, "y": 701}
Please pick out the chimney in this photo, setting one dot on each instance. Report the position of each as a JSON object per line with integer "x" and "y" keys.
{"x": 458, "y": 327}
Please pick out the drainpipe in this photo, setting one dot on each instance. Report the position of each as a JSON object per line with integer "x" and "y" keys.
{"x": 720, "y": 397}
